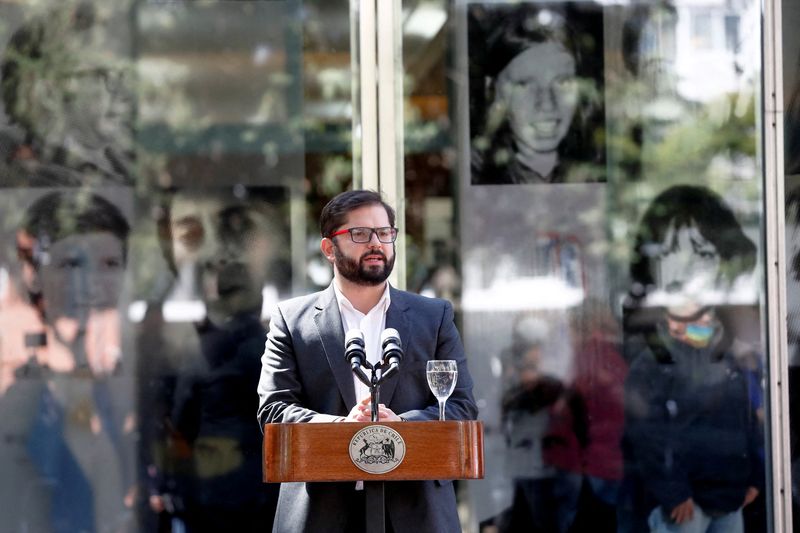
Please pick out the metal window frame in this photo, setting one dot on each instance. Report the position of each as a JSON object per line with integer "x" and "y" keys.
{"x": 378, "y": 124}
{"x": 779, "y": 486}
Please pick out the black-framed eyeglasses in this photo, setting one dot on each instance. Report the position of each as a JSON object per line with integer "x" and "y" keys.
{"x": 362, "y": 235}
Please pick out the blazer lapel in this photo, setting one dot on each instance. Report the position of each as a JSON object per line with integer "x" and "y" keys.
{"x": 331, "y": 332}
{"x": 397, "y": 318}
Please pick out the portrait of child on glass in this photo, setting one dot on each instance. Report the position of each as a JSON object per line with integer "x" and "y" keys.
{"x": 535, "y": 100}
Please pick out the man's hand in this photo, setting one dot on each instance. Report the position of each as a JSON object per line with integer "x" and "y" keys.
{"x": 750, "y": 496}
{"x": 362, "y": 412}
{"x": 683, "y": 512}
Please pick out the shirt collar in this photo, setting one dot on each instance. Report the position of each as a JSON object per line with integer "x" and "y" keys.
{"x": 342, "y": 300}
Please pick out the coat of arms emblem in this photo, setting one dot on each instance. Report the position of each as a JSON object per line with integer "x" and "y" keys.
{"x": 377, "y": 449}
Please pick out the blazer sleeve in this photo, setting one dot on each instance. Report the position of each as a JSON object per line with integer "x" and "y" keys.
{"x": 461, "y": 404}
{"x": 279, "y": 388}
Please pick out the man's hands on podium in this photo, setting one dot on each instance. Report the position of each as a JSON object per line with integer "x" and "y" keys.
{"x": 362, "y": 412}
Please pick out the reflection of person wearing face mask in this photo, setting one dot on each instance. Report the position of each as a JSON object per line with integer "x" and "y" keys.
{"x": 223, "y": 247}
{"x": 540, "y": 102}
{"x": 693, "y": 432}
{"x": 73, "y": 250}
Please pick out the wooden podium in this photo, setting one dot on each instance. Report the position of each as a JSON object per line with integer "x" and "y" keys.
{"x": 347, "y": 451}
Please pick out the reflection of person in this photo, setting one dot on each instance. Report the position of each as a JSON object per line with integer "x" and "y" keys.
{"x": 73, "y": 245}
{"x": 600, "y": 372}
{"x": 66, "y": 91}
{"x": 692, "y": 396}
{"x": 539, "y": 104}
{"x": 545, "y": 431}
{"x": 226, "y": 246}
{"x": 305, "y": 377}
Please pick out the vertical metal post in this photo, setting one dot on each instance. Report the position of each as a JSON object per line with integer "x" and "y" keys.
{"x": 365, "y": 110}
{"x": 390, "y": 121}
{"x": 775, "y": 222}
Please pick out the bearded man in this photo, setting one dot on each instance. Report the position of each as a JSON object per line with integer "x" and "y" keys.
{"x": 306, "y": 378}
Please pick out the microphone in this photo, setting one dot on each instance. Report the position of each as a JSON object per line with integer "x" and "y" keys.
{"x": 392, "y": 351}
{"x": 356, "y": 354}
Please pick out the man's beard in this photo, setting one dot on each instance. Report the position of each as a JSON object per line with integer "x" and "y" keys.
{"x": 355, "y": 272}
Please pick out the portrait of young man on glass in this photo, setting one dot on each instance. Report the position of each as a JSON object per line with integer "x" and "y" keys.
{"x": 535, "y": 98}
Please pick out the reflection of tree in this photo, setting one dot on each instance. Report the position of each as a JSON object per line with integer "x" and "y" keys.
{"x": 66, "y": 82}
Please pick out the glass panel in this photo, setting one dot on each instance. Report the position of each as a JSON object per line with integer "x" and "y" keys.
{"x": 583, "y": 180}
{"x": 791, "y": 91}
{"x": 163, "y": 167}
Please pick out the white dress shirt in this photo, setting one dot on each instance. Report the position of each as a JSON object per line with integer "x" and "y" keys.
{"x": 371, "y": 325}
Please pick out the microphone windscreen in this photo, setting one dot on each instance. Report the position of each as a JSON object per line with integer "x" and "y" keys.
{"x": 354, "y": 335}
{"x": 390, "y": 335}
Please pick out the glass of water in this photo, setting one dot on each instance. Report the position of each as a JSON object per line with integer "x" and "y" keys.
{"x": 442, "y": 377}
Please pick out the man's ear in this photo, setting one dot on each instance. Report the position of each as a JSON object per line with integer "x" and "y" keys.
{"x": 326, "y": 246}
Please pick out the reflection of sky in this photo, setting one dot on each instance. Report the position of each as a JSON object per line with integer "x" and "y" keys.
{"x": 717, "y": 49}
{"x": 534, "y": 292}
{"x": 743, "y": 291}
{"x": 193, "y": 310}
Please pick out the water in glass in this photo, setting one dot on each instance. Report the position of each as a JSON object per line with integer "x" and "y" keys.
{"x": 442, "y": 377}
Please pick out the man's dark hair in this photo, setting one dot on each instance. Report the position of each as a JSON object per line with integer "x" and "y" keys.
{"x": 335, "y": 212}
{"x": 267, "y": 200}
{"x": 29, "y": 48}
{"x": 60, "y": 214}
{"x": 686, "y": 205}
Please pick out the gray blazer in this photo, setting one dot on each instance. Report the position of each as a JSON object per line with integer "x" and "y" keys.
{"x": 305, "y": 378}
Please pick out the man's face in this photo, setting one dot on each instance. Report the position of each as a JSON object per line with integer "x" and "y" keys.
{"x": 541, "y": 92}
{"x": 80, "y": 273}
{"x": 368, "y": 263}
{"x": 686, "y": 271}
{"x": 85, "y": 100}
{"x": 228, "y": 245}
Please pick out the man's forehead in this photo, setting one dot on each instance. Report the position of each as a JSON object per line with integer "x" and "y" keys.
{"x": 684, "y": 230}
{"x": 373, "y": 215}
{"x": 204, "y": 205}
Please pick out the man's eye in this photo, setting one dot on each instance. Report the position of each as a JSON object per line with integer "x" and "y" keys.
{"x": 384, "y": 233}
{"x": 239, "y": 223}
{"x": 112, "y": 263}
{"x": 189, "y": 233}
{"x": 359, "y": 233}
{"x": 69, "y": 263}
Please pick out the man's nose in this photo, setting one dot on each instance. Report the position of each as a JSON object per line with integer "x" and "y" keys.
{"x": 374, "y": 240}
{"x": 545, "y": 98}
{"x": 217, "y": 252}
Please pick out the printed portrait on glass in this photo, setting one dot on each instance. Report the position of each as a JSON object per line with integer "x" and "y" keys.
{"x": 535, "y": 86}
{"x": 793, "y": 335}
{"x": 66, "y": 372}
{"x": 67, "y": 85}
{"x": 227, "y": 248}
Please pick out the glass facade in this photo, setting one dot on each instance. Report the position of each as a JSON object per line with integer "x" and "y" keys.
{"x": 585, "y": 181}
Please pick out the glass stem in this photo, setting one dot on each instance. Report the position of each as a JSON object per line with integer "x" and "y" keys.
{"x": 441, "y": 409}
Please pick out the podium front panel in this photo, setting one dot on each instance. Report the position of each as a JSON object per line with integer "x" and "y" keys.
{"x": 322, "y": 452}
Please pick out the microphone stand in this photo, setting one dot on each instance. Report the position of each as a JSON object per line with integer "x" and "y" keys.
{"x": 374, "y": 394}
{"x": 356, "y": 356}
{"x": 374, "y": 498}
